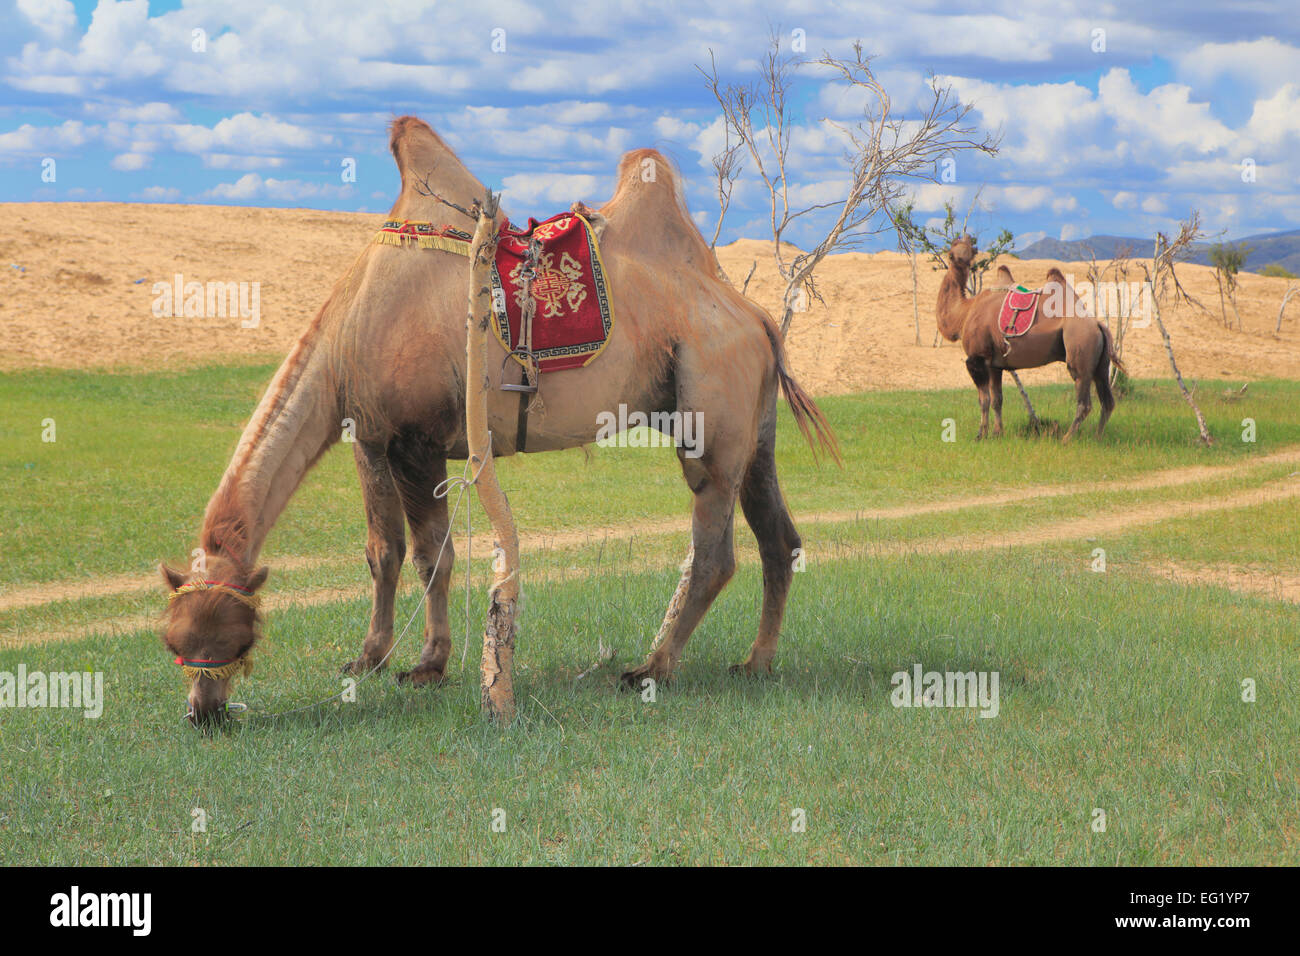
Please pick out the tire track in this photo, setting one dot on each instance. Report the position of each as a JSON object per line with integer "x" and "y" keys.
{"x": 1091, "y": 526}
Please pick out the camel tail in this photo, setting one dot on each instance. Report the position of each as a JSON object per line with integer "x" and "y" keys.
{"x": 807, "y": 415}
{"x": 1110, "y": 348}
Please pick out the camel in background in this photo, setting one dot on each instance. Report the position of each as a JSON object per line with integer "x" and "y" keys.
{"x": 1062, "y": 331}
{"x": 387, "y": 350}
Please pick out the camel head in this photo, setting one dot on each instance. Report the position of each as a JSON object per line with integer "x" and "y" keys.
{"x": 951, "y": 311}
{"x": 211, "y": 625}
{"x": 962, "y": 252}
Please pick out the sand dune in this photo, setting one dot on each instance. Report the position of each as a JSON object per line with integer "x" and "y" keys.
{"x": 85, "y": 299}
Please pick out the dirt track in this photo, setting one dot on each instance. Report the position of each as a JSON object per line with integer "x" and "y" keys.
{"x": 1113, "y": 522}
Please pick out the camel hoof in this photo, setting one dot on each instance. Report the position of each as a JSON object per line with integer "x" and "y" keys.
{"x": 358, "y": 667}
{"x": 422, "y": 675}
{"x": 633, "y": 679}
{"x": 750, "y": 669}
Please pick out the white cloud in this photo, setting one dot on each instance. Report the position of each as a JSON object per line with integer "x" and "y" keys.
{"x": 1260, "y": 63}
{"x": 556, "y": 189}
{"x": 1166, "y": 114}
{"x": 54, "y": 18}
{"x": 35, "y": 139}
{"x": 1275, "y": 120}
{"x": 228, "y": 161}
{"x": 157, "y": 112}
{"x": 929, "y": 197}
{"x": 326, "y": 82}
{"x": 130, "y": 162}
{"x": 670, "y": 127}
{"x": 253, "y": 186}
{"x": 246, "y": 133}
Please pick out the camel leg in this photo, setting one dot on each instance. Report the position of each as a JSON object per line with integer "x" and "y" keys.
{"x": 979, "y": 373}
{"x": 418, "y": 470}
{"x": 709, "y": 566}
{"x": 995, "y": 391}
{"x": 1082, "y": 399}
{"x": 768, "y": 517}
{"x": 385, "y": 551}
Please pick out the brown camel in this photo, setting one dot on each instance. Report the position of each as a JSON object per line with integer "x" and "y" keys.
{"x": 1062, "y": 331}
{"x": 387, "y": 350}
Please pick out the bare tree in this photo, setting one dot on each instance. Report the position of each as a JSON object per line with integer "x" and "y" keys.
{"x": 1117, "y": 309}
{"x": 1291, "y": 290}
{"x": 937, "y": 240}
{"x": 1166, "y": 253}
{"x": 727, "y": 164}
{"x": 882, "y": 150}
{"x": 907, "y": 245}
{"x": 1228, "y": 261}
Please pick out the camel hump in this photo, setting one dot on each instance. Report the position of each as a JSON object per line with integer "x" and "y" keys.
{"x": 405, "y": 126}
{"x": 1055, "y": 275}
{"x": 650, "y": 191}
{"x": 413, "y": 143}
{"x": 1004, "y": 276}
{"x": 647, "y": 176}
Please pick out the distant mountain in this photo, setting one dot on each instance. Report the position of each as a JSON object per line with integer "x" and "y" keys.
{"x": 1282, "y": 248}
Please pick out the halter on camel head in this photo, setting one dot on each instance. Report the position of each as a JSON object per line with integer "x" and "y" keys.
{"x": 194, "y": 668}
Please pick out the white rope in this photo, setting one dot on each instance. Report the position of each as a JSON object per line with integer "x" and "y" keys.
{"x": 442, "y": 490}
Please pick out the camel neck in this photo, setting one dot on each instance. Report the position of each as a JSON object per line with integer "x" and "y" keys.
{"x": 951, "y": 310}
{"x": 294, "y": 423}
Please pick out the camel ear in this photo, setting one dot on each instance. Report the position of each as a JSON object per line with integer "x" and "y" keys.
{"x": 171, "y": 577}
{"x": 257, "y": 578}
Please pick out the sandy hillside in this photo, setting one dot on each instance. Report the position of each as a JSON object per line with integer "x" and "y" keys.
{"x": 80, "y": 302}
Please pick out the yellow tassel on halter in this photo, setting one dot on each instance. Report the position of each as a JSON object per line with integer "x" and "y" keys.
{"x": 236, "y": 668}
{"x": 252, "y": 600}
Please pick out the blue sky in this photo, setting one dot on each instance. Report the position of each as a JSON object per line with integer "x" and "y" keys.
{"x": 1122, "y": 140}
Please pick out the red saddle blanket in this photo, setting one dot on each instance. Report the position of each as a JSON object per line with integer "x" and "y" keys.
{"x": 573, "y": 314}
{"x": 1019, "y": 309}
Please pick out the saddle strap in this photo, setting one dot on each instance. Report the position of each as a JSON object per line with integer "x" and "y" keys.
{"x": 521, "y": 422}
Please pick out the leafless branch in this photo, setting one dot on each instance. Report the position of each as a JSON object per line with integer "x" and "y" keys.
{"x": 424, "y": 189}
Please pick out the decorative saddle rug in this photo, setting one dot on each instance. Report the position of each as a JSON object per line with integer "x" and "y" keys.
{"x": 572, "y": 315}
{"x": 1019, "y": 309}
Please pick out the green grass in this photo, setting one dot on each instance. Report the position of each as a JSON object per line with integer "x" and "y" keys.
{"x": 137, "y": 456}
{"x": 1119, "y": 691}
{"x": 1102, "y": 705}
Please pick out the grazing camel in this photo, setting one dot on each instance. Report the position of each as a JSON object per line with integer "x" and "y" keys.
{"x": 387, "y": 350}
{"x": 1062, "y": 331}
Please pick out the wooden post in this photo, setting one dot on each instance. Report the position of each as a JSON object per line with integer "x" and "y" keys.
{"x": 1033, "y": 416}
{"x": 497, "y": 680}
{"x": 1169, "y": 350}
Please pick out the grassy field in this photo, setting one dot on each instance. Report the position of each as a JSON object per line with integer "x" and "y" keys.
{"x": 1119, "y": 691}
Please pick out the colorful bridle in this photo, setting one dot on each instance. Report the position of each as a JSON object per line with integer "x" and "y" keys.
{"x": 194, "y": 668}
